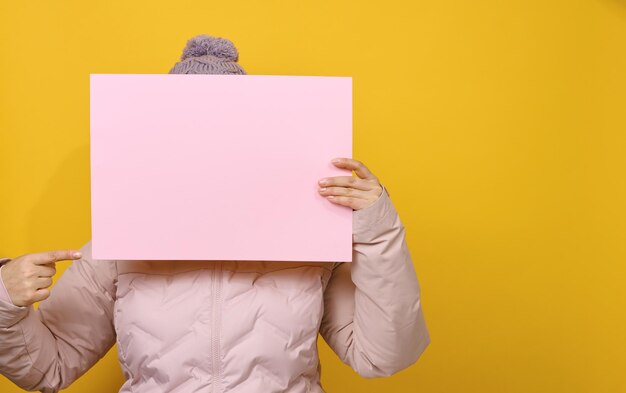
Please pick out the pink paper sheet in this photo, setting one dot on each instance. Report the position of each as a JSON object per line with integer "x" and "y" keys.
{"x": 218, "y": 167}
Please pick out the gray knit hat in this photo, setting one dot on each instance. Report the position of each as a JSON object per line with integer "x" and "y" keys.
{"x": 204, "y": 54}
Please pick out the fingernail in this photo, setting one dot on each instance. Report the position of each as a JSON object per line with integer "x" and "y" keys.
{"x": 323, "y": 182}
{"x": 322, "y": 189}
{"x": 336, "y": 161}
{"x": 77, "y": 255}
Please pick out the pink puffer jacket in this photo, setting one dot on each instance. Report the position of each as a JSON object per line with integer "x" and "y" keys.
{"x": 224, "y": 326}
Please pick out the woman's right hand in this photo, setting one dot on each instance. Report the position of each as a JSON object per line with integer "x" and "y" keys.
{"x": 27, "y": 278}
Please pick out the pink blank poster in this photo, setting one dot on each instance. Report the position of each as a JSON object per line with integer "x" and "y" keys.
{"x": 218, "y": 167}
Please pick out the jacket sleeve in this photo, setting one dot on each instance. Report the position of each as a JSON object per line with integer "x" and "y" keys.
{"x": 47, "y": 348}
{"x": 373, "y": 316}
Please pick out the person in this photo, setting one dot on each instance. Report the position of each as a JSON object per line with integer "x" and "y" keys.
{"x": 220, "y": 326}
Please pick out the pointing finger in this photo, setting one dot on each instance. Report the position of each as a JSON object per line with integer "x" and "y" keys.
{"x": 45, "y": 258}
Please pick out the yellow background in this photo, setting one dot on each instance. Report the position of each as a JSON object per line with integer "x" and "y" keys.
{"x": 497, "y": 126}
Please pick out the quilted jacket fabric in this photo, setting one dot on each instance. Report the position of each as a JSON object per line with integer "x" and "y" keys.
{"x": 224, "y": 326}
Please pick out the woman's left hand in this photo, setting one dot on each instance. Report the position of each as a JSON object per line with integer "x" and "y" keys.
{"x": 357, "y": 193}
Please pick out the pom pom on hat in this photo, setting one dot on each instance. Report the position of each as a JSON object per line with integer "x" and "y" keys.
{"x": 203, "y": 44}
{"x": 205, "y": 54}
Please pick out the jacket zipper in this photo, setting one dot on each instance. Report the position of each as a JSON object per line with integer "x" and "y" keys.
{"x": 215, "y": 328}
